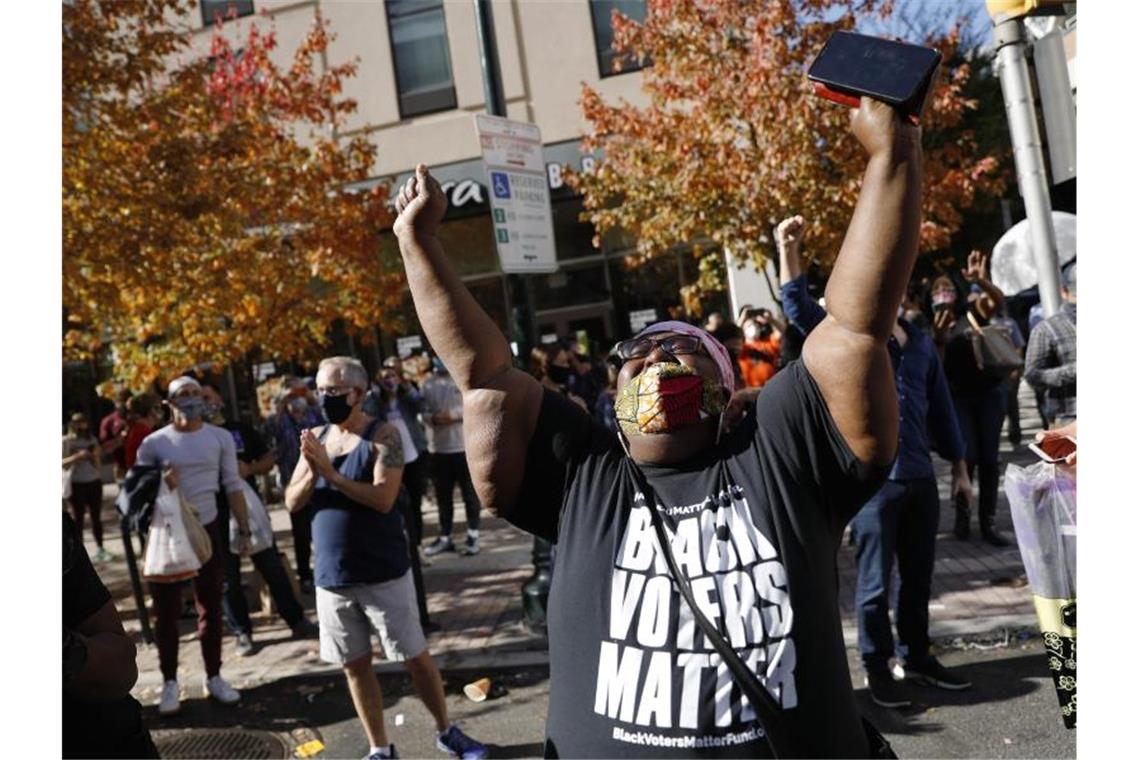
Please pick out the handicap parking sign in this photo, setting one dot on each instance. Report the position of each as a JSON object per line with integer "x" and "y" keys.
{"x": 500, "y": 185}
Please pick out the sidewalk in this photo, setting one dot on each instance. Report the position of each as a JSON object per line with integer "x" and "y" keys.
{"x": 477, "y": 602}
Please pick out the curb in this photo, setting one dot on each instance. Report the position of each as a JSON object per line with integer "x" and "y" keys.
{"x": 962, "y": 627}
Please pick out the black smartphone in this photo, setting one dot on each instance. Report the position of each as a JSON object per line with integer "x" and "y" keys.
{"x": 851, "y": 65}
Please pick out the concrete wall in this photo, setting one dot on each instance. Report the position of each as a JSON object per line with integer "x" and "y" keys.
{"x": 546, "y": 50}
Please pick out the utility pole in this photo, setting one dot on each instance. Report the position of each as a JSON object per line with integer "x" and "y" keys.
{"x": 523, "y": 324}
{"x": 1009, "y": 37}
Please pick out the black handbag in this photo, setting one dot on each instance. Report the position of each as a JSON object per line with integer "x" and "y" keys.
{"x": 767, "y": 711}
{"x": 994, "y": 352}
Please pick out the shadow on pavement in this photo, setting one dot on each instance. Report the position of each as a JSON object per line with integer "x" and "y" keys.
{"x": 312, "y": 701}
{"x": 996, "y": 681}
{"x": 515, "y": 750}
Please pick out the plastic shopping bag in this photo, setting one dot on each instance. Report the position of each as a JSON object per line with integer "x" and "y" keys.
{"x": 170, "y": 556}
{"x": 260, "y": 528}
{"x": 1043, "y": 504}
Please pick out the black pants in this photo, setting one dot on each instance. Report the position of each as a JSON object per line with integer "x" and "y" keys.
{"x": 302, "y": 522}
{"x": 415, "y": 480}
{"x": 268, "y": 563}
{"x": 1013, "y": 409}
{"x": 446, "y": 471}
{"x": 980, "y": 417}
{"x": 413, "y": 526}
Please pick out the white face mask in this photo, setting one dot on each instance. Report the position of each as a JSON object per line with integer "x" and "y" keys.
{"x": 751, "y": 331}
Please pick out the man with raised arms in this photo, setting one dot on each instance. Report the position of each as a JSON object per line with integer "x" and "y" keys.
{"x": 754, "y": 490}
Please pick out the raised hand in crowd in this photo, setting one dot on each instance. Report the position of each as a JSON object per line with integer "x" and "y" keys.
{"x": 789, "y": 233}
{"x": 990, "y": 300}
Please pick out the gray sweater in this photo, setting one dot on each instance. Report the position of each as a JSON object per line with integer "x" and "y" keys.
{"x": 205, "y": 460}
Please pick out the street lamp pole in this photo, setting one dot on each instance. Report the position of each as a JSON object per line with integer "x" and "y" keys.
{"x": 536, "y": 590}
{"x": 1028, "y": 157}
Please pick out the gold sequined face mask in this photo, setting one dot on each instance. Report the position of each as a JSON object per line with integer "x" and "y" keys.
{"x": 664, "y": 397}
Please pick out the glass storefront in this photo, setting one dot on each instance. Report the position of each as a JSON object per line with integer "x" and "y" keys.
{"x": 592, "y": 291}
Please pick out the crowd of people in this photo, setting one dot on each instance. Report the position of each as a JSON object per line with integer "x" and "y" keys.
{"x": 729, "y": 459}
{"x": 391, "y": 436}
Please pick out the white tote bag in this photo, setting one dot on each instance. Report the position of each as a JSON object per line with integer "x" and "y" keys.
{"x": 260, "y": 528}
{"x": 170, "y": 557}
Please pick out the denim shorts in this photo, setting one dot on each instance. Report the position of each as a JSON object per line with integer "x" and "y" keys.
{"x": 349, "y": 614}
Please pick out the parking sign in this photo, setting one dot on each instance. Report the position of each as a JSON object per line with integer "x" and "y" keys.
{"x": 520, "y": 196}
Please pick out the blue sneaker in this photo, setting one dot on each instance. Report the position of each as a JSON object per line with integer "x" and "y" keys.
{"x": 458, "y": 744}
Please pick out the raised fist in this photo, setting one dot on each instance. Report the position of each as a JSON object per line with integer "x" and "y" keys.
{"x": 420, "y": 205}
{"x": 789, "y": 233}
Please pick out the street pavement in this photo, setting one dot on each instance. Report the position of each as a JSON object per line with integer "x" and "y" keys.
{"x": 978, "y": 595}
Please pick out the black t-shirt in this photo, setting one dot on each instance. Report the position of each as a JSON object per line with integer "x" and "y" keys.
{"x": 756, "y": 525}
{"x": 105, "y": 728}
{"x": 249, "y": 444}
{"x": 958, "y": 360}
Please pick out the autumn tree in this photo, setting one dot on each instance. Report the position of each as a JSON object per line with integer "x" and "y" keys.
{"x": 733, "y": 138}
{"x": 205, "y": 204}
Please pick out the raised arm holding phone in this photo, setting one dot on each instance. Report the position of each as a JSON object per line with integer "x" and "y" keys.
{"x": 755, "y": 513}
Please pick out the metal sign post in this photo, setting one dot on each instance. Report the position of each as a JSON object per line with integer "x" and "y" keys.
{"x": 526, "y": 244}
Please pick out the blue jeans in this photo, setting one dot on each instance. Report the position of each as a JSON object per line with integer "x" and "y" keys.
{"x": 901, "y": 519}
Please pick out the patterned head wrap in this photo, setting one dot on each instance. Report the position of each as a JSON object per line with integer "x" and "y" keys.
{"x": 717, "y": 351}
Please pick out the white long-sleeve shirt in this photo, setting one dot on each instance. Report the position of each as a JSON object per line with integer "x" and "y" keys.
{"x": 206, "y": 461}
{"x": 441, "y": 394}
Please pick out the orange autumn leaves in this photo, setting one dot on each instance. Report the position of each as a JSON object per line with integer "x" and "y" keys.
{"x": 205, "y": 214}
{"x": 733, "y": 139}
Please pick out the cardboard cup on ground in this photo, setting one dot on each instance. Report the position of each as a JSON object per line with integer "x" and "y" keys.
{"x": 477, "y": 691}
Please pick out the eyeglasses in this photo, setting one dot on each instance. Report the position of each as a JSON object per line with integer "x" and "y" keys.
{"x": 639, "y": 348}
{"x": 336, "y": 390}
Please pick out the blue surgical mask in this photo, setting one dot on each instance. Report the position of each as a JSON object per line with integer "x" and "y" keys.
{"x": 192, "y": 407}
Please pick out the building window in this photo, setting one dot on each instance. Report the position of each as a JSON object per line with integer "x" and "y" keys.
{"x": 602, "y": 13}
{"x": 420, "y": 56}
{"x": 212, "y": 10}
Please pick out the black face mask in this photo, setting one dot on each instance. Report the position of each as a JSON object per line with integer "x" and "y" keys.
{"x": 336, "y": 408}
{"x": 558, "y": 374}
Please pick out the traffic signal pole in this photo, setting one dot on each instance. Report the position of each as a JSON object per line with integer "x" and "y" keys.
{"x": 1009, "y": 37}
{"x": 523, "y": 324}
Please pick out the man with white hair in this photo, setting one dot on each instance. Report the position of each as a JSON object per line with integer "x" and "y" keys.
{"x": 350, "y": 472}
{"x": 199, "y": 458}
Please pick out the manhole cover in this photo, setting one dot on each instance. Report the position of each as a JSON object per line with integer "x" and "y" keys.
{"x": 219, "y": 744}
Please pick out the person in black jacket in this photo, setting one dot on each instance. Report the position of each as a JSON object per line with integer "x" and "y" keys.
{"x": 100, "y": 717}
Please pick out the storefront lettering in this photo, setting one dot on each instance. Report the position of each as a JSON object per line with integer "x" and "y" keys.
{"x": 472, "y": 191}
{"x": 463, "y": 192}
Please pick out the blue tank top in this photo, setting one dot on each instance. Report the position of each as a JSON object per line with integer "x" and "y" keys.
{"x": 355, "y": 544}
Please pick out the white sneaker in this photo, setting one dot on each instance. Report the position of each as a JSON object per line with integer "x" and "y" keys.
{"x": 169, "y": 704}
{"x": 441, "y": 544}
{"x": 219, "y": 689}
{"x": 244, "y": 645}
